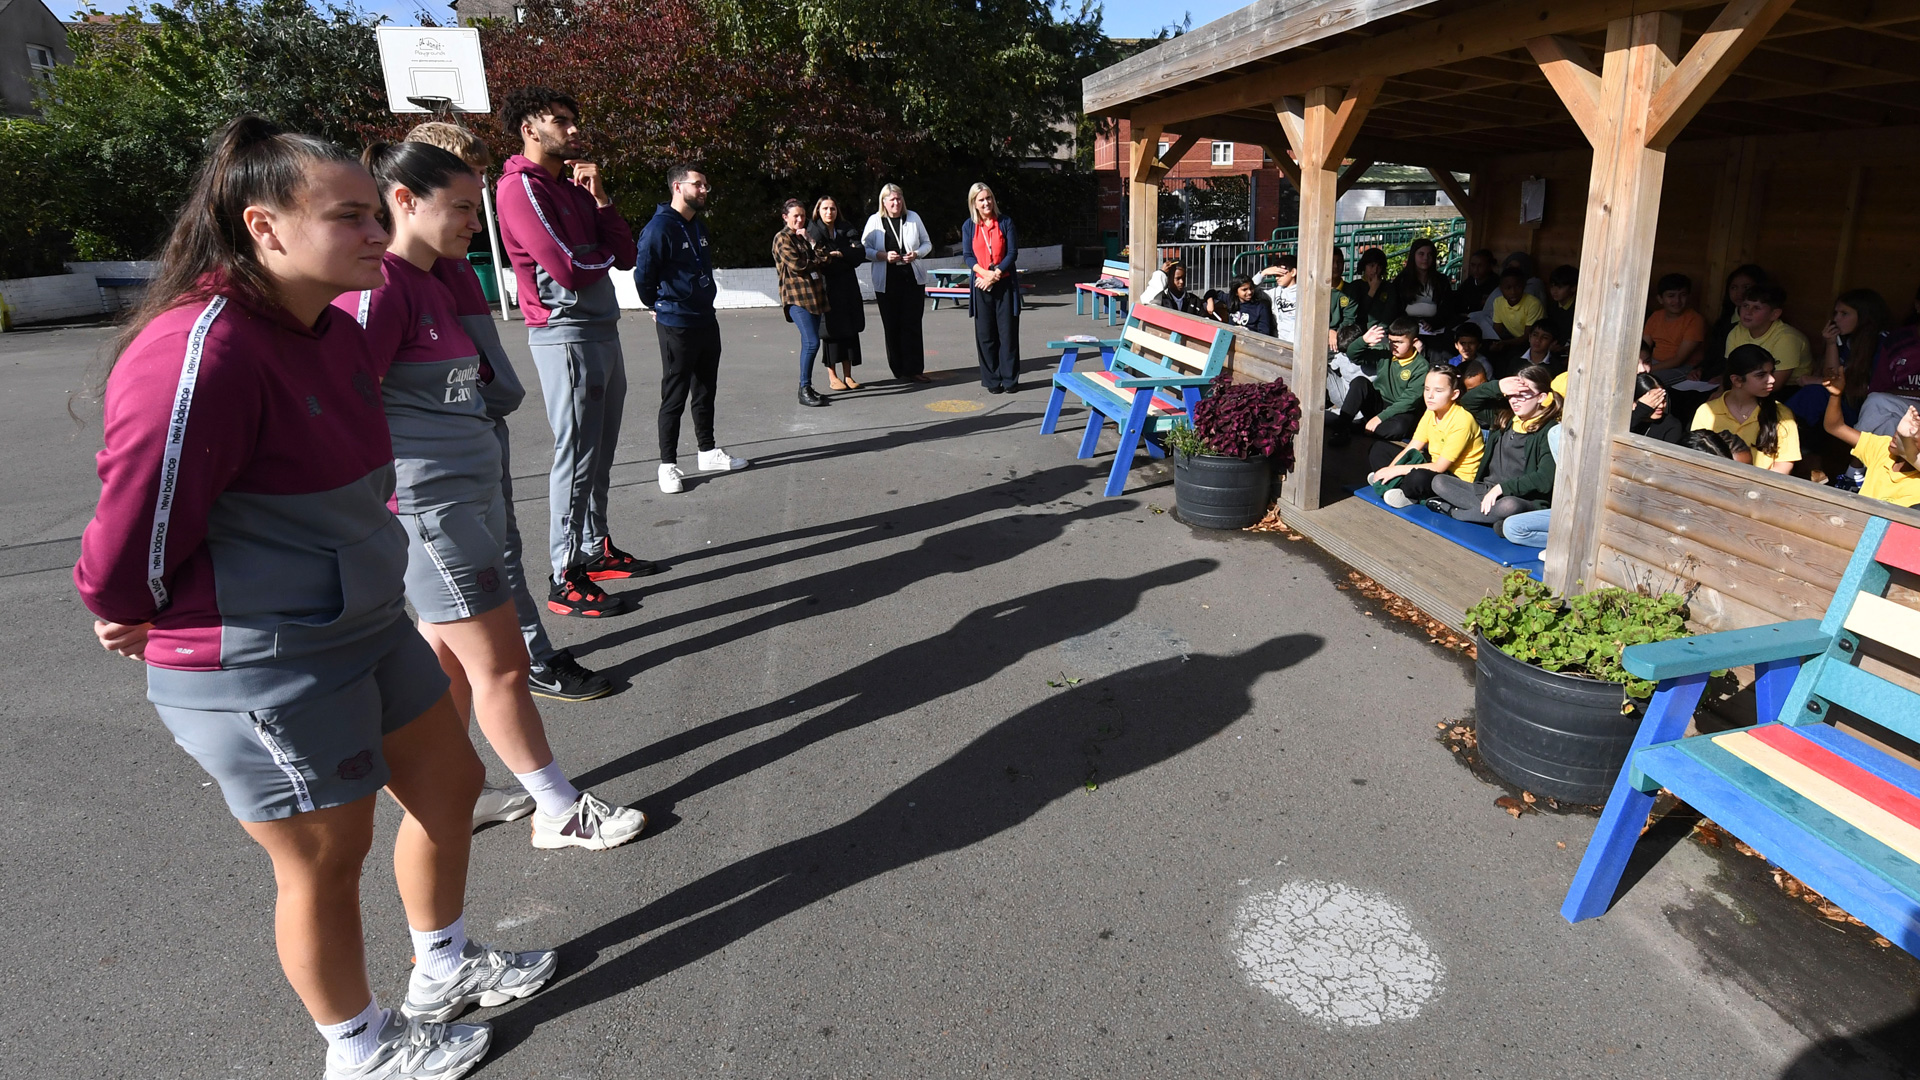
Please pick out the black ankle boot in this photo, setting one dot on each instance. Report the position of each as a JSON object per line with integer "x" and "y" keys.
{"x": 811, "y": 397}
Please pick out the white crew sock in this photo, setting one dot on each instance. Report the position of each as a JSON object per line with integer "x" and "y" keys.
{"x": 436, "y": 953}
{"x": 351, "y": 1042}
{"x": 550, "y": 788}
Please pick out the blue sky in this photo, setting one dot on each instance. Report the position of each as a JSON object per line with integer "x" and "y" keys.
{"x": 1124, "y": 18}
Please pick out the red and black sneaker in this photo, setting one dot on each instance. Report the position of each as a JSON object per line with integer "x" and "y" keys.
{"x": 613, "y": 564}
{"x": 575, "y": 595}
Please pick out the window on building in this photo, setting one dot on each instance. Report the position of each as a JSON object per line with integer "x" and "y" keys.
{"x": 1410, "y": 198}
{"x": 40, "y": 61}
{"x": 1222, "y": 153}
{"x": 1164, "y": 145}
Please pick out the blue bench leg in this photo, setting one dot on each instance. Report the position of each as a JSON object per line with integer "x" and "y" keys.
{"x": 1154, "y": 449}
{"x": 1771, "y": 682}
{"x": 1059, "y": 396}
{"x": 1079, "y": 301}
{"x": 1090, "y": 442}
{"x": 1627, "y": 807}
{"x": 1130, "y": 433}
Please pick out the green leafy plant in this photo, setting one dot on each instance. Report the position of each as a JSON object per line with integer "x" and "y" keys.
{"x": 1579, "y": 635}
{"x": 1182, "y": 439}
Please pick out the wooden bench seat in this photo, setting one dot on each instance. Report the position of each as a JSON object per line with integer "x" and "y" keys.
{"x": 1836, "y": 811}
{"x": 1149, "y": 380}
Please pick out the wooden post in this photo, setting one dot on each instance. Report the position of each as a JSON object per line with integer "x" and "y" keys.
{"x": 1630, "y": 111}
{"x": 1321, "y": 128}
{"x": 1849, "y": 223}
{"x": 1143, "y": 211}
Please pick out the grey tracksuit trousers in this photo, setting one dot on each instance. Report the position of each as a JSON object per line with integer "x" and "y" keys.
{"x": 585, "y": 386}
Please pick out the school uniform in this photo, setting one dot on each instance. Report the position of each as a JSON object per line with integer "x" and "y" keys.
{"x": 1714, "y": 416}
{"x": 1888, "y": 477}
{"x": 561, "y": 245}
{"x": 245, "y": 478}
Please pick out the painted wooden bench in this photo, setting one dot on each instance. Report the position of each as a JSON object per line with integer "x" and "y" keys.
{"x": 1110, "y": 304}
{"x": 1835, "y": 811}
{"x": 1141, "y": 385}
{"x": 950, "y": 283}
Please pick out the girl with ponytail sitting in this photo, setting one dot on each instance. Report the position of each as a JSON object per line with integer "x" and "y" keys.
{"x": 1748, "y": 410}
{"x": 1517, "y": 471}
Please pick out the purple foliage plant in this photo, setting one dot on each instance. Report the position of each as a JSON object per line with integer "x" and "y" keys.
{"x": 1247, "y": 419}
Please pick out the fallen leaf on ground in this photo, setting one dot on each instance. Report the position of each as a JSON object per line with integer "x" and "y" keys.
{"x": 1561, "y": 844}
{"x": 1513, "y": 806}
{"x": 1528, "y": 795}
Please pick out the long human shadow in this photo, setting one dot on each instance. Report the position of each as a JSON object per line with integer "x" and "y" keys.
{"x": 915, "y": 435}
{"x": 957, "y": 550}
{"x": 1038, "y": 488}
{"x": 981, "y": 645}
{"x": 1092, "y": 734}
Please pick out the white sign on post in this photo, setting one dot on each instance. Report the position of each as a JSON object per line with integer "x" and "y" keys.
{"x": 428, "y": 64}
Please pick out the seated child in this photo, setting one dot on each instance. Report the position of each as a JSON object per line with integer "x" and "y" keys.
{"x": 1517, "y": 470}
{"x": 1748, "y": 410}
{"x": 1466, "y": 350}
{"x": 1246, "y": 308}
{"x": 1447, "y": 437}
{"x": 1561, "y": 286}
{"x": 1391, "y": 399}
{"x": 1892, "y": 463}
{"x": 1543, "y": 346}
{"x": 1342, "y": 367}
{"x": 1720, "y": 444}
{"x": 1652, "y": 414}
{"x": 1676, "y": 332}
{"x": 1514, "y": 312}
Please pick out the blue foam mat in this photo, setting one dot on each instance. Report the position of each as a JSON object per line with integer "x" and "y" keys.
{"x": 1480, "y": 539}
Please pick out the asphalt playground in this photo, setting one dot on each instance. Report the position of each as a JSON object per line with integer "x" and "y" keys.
{"x": 958, "y": 769}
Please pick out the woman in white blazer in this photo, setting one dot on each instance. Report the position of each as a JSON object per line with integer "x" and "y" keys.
{"x": 896, "y": 241}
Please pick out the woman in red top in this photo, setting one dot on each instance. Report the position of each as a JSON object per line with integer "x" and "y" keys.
{"x": 989, "y": 243}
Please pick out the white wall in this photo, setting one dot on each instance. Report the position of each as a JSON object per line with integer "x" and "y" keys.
{"x": 757, "y": 287}
{"x": 44, "y": 299}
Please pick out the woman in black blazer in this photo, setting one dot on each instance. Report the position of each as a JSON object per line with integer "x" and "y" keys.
{"x": 991, "y": 248}
{"x": 842, "y": 251}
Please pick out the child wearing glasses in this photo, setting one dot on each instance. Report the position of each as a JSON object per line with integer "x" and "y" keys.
{"x": 1517, "y": 475}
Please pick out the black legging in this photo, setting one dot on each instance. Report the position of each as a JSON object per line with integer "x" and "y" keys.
{"x": 1364, "y": 400}
{"x": 1465, "y": 498}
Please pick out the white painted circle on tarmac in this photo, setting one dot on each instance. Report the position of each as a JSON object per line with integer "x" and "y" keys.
{"x": 1340, "y": 955}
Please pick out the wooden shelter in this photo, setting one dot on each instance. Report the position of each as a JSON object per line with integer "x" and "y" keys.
{"x": 1673, "y": 135}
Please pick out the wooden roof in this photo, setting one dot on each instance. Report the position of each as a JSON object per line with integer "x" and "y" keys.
{"x": 1461, "y": 84}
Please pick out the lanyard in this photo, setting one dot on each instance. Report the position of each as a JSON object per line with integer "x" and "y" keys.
{"x": 691, "y": 244}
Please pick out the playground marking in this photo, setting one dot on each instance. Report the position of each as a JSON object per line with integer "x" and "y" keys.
{"x": 1337, "y": 954}
{"x": 956, "y": 405}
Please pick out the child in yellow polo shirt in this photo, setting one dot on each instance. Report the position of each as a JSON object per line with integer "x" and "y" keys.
{"x": 1448, "y": 435}
{"x": 1515, "y": 311}
{"x": 1893, "y": 464}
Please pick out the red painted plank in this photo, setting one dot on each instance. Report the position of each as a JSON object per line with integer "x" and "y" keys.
{"x": 1180, "y": 323}
{"x": 1900, "y": 548}
{"x": 1900, "y": 803}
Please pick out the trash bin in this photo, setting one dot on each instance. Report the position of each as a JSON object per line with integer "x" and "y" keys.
{"x": 482, "y": 263}
{"x": 1112, "y": 239}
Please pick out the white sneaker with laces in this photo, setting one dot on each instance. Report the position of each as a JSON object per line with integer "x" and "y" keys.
{"x": 588, "y": 823}
{"x": 419, "y": 1050}
{"x": 486, "y": 977}
{"x": 670, "y": 479}
{"x": 1396, "y": 499}
{"x": 510, "y": 803}
{"x": 718, "y": 460}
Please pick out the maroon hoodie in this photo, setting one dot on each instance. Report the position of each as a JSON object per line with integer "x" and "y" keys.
{"x": 561, "y": 245}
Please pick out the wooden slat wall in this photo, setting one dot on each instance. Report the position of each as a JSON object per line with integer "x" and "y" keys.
{"x": 1259, "y": 358}
{"x": 1754, "y": 547}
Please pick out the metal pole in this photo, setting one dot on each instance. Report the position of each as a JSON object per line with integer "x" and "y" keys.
{"x": 493, "y": 240}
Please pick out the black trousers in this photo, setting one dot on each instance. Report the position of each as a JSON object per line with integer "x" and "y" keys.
{"x": 902, "y": 305}
{"x": 996, "y": 332}
{"x": 689, "y": 368}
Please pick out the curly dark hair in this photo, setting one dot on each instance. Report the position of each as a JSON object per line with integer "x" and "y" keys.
{"x": 532, "y": 102}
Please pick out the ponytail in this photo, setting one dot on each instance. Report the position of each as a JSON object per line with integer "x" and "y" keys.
{"x": 250, "y": 162}
{"x": 420, "y": 167}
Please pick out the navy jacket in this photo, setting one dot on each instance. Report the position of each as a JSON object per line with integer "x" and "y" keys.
{"x": 674, "y": 269}
{"x": 1009, "y": 263}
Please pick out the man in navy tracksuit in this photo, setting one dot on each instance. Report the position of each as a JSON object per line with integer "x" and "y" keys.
{"x": 674, "y": 275}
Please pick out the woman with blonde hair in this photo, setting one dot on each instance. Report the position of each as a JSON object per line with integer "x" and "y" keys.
{"x": 896, "y": 240}
{"x": 992, "y": 248}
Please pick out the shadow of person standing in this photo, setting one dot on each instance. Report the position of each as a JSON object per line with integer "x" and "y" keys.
{"x": 1097, "y": 731}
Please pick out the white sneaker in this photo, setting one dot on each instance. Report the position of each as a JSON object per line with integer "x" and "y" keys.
{"x": 419, "y": 1050}
{"x": 1396, "y": 499}
{"x": 670, "y": 479}
{"x": 718, "y": 460}
{"x": 486, "y": 977}
{"x": 510, "y": 803}
{"x": 588, "y": 823}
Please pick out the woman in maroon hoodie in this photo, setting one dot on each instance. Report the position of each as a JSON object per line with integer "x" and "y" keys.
{"x": 243, "y": 548}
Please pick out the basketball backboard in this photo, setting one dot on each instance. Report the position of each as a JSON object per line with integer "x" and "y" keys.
{"x": 433, "y": 62}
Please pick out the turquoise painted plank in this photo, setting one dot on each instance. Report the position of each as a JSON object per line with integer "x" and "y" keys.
{"x": 1729, "y": 648}
{"x": 1105, "y": 343}
{"x": 1885, "y": 703}
{"x": 1863, "y": 574}
{"x": 1863, "y": 894}
{"x": 1806, "y": 823}
{"x": 1886, "y": 767}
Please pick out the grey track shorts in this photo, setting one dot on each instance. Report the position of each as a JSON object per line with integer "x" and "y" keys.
{"x": 319, "y": 750}
{"x": 456, "y": 562}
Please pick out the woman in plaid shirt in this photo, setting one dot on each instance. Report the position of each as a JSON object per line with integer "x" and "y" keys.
{"x": 803, "y": 290}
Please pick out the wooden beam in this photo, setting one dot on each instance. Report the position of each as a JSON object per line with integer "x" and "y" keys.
{"x": 1849, "y": 222}
{"x": 1174, "y": 154}
{"x": 1623, "y": 212}
{"x": 1283, "y": 161}
{"x": 1321, "y": 129}
{"x": 1480, "y": 31}
{"x": 1352, "y": 175}
{"x": 1735, "y": 33}
{"x": 1143, "y": 210}
{"x": 1454, "y": 191}
{"x": 1568, "y": 70}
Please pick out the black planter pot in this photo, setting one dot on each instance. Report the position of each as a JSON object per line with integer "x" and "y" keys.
{"x": 1549, "y": 733}
{"x": 1216, "y": 492}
